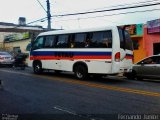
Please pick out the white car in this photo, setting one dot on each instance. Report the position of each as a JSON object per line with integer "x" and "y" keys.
{"x": 6, "y": 59}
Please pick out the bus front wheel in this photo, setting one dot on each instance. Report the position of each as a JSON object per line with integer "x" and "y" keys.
{"x": 80, "y": 72}
{"x": 37, "y": 68}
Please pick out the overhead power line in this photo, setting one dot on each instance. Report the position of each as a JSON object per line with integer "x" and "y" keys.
{"x": 121, "y": 5}
{"x": 39, "y": 20}
{"x": 48, "y": 14}
{"x": 114, "y": 9}
{"x": 98, "y": 11}
{"x": 42, "y": 6}
{"x": 122, "y": 13}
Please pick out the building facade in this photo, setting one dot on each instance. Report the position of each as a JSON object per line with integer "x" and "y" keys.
{"x": 137, "y": 35}
{"x": 14, "y": 37}
{"x": 146, "y": 39}
{"x": 17, "y": 41}
{"x": 152, "y": 37}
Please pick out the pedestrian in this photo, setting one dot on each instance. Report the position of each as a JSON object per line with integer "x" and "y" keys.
{"x": 20, "y": 59}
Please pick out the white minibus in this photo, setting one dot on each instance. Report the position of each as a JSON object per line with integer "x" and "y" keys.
{"x": 96, "y": 51}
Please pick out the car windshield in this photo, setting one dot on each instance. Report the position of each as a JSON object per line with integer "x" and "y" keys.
{"x": 150, "y": 60}
{"x": 4, "y": 53}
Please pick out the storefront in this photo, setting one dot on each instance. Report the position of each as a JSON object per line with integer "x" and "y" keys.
{"x": 152, "y": 37}
{"x": 137, "y": 35}
{"x": 17, "y": 41}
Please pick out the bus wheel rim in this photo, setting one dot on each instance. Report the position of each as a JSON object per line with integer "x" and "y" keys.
{"x": 37, "y": 68}
{"x": 79, "y": 75}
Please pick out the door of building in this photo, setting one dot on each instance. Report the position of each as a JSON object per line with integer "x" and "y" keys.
{"x": 156, "y": 48}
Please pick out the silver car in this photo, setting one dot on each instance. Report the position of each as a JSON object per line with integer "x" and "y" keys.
{"x": 146, "y": 68}
{"x": 6, "y": 59}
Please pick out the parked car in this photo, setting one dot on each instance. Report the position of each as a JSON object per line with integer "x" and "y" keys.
{"x": 146, "y": 68}
{"x": 6, "y": 59}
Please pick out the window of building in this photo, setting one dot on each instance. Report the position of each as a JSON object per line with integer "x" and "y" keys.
{"x": 135, "y": 44}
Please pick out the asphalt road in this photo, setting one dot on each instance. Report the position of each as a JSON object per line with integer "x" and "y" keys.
{"x": 48, "y": 95}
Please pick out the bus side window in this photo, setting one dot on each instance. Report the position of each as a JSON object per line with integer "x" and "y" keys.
{"x": 96, "y": 39}
{"x": 88, "y": 40}
{"x": 79, "y": 40}
{"x": 102, "y": 39}
{"x": 49, "y": 42}
{"x": 87, "y": 43}
{"x": 105, "y": 43}
{"x": 62, "y": 41}
{"x": 107, "y": 35}
{"x": 71, "y": 41}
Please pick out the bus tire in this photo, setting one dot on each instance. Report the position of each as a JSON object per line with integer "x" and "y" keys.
{"x": 80, "y": 72}
{"x": 37, "y": 68}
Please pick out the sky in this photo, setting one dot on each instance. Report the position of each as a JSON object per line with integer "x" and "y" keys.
{"x": 11, "y": 10}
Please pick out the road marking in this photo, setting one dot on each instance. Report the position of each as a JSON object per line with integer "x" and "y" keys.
{"x": 75, "y": 114}
{"x": 65, "y": 110}
{"x": 95, "y": 85}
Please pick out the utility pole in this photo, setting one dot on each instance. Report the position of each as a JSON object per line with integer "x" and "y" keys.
{"x": 48, "y": 15}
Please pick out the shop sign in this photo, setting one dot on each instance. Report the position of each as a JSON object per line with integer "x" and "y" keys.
{"x": 153, "y": 26}
{"x": 135, "y": 29}
{"x": 16, "y": 37}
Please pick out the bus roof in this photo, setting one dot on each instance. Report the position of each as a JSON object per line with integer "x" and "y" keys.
{"x": 76, "y": 30}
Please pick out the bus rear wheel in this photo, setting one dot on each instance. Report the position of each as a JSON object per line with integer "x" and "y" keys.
{"x": 37, "y": 68}
{"x": 80, "y": 72}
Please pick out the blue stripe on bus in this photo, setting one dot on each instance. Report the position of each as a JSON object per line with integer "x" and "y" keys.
{"x": 51, "y": 53}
